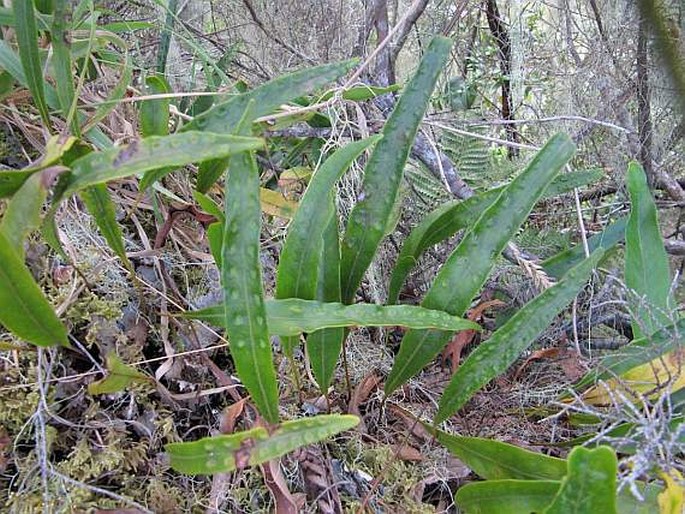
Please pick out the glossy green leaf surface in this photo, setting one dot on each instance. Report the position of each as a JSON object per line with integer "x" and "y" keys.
{"x": 647, "y": 271}
{"x": 293, "y": 316}
{"x": 467, "y": 269}
{"x": 383, "y": 173}
{"x": 226, "y": 453}
{"x": 224, "y": 117}
{"x": 101, "y": 207}
{"x": 506, "y": 496}
{"x": 23, "y": 308}
{"x": 241, "y": 279}
{"x": 27, "y": 37}
{"x": 494, "y": 356}
{"x": 494, "y": 460}
{"x": 119, "y": 377}
{"x": 566, "y": 182}
{"x": 153, "y": 153}
{"x": 560, "y": 263}
{"x": 590, "y": 485}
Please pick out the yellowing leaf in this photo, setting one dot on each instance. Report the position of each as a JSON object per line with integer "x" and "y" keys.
{"x": 119, "y": 376}
{"x": 672, "y": 498}
{"x": 648, "y": 378}
{"x": 275, "y": 204}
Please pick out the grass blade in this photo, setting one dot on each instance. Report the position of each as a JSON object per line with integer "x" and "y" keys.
{"x": 27, "y": 37}
{"x": 101, "y": 207}
{"x": 293, "y": 316}
{"x": 154, "y": 114}
{"x": 466, "y": 270}
{"x": 153, "y": 153}
{"x": 244, "y": 311}
{"x": 62, "y": 63}
{"x": 23, "y": 308}
{"x": 646, "y": 269}
{"x": 494, "y": 356}
{"x": 226, "y": 453}
{"x": 224, "y": 117}
{"x": 383, "y": 173}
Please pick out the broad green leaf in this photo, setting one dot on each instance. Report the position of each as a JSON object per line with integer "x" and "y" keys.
{"x": 506, "y": 496}
{"x": 361, "y": 93}
{"x": 383, "y": 172}
{"x": 301, "y": 258}
{"x": 241, "y": 278}
{"x": 560, "y": 263}
{"x": 23, "y": 308}
{"x": 101, "y": 207}
{"x": 467, "y": 269}
{"x": 7, "y": 18}
{"x": 453, "y": 216}
{"x": 292, "y": 316}
{"x": 153, "y": 153}
{"x": 224, "y": 453}
{"x": 119, "y": 377}
{"x": 224, "y": 117}
{"x": 647, "y": 271}
{"x": 494, "y": 356}
{"x": 22, "y": 214}
{"x": 297, "y": 275}
{"x": 590, "y": 485}
{"x": 215, "y": 236}
{"x": 438, "y": 225}
{"x": 154, "y": 114}
{"x": 27, "y": 37}
{"x": 494, "y": 460}
{"x": 566, "y": 182}
{"x": 324, "y": 346}
{"x": 64, "y": 76}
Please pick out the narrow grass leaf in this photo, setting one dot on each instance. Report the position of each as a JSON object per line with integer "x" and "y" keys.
{"x": 646, "y": 269}
{"x": 61, "y": 55}
{"x": 494, "y": 356}
{"x": 383, "y": 172}
{"x": 293, "y": 316}
{"x": 101, "y": 207}
{"x": 154, "y": 153}
{"x": 225, "y": 453}
{"x": 27, "y": 37}
{"x": 467, "y": 269}
{"x": 119, "y": 377}
{"x": 23, "y": 308}
{"x": 224, "y": 117}
{"x": 590, "y": 485}
{"x": 114, "y": 97}
{"x": 244, "y": 311}
{"x": 506, "y": 496}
